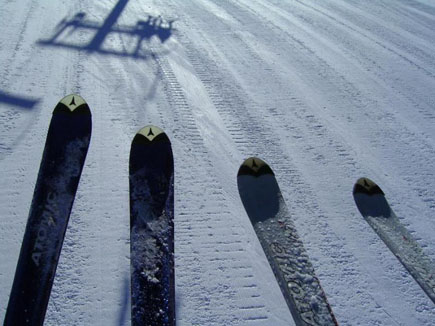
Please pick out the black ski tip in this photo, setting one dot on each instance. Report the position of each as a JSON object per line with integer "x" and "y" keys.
{"x": 367, "y": 186}
{"x": 72, "y": 104}
{"x": 370, "y": 199}
{"x": 150, "y": 134}
{"x": 255, "y": 167}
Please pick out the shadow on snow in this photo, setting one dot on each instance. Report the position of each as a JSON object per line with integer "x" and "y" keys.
{"x": 18, "y": 101}
{"x": 135, "y": 35}
{"x": 14, "y": 130}
{"x": 124, "y": 308}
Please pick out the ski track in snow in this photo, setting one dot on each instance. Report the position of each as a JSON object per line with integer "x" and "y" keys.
{"x": 324, "y": 92}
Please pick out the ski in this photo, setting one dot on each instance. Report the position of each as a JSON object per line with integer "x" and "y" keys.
{"x": 371, "y": 202}
{"x": 62, "y": 162}
{"x": 265, "y": 206}
{"x": 151, "y": 175}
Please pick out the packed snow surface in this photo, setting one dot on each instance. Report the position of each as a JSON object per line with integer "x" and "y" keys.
{"x": 324, "y": 91}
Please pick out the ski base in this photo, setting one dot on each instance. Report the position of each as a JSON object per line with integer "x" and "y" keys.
{"x": 151, "y": 229}
{"x": 284, "y": 250}
{"x": 371, "y": 202}
{"x": 59, "y": 174}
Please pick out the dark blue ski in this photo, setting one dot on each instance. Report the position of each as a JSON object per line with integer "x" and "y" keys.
{"x": 59, "y": 174}
{"x": 152, "y": 229}
{"x": 374, "y": 207}
{"x": 265, "y": 206}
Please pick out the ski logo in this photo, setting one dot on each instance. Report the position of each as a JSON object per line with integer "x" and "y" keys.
{"x": 73, "y": 101}
{"x": 255, "y": 167}
{"x": 48, "y": 222}
{"x": 152, "y": 134}
{"x": 253, "y": 164}
{"x": 367, "y": 186}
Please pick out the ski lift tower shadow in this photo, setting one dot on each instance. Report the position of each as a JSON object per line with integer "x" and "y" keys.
{"x": 132, "y": 36}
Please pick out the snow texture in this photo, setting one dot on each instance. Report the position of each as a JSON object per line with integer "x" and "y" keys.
{"x": 324, "y": 91}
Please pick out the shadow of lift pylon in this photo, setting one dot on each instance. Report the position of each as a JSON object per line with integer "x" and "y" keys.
{"x": 143, "y": 30}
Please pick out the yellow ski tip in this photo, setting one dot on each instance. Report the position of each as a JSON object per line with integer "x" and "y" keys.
{"x": 150, "y": 134}
{"x": 255, "y": 167}
{"x": 367, "y": 186}
{"x": 73, "y": 101}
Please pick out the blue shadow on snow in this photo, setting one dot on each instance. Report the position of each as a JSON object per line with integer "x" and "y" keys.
{"x": 135, "y": 35}
{"x": 25, "y": 103}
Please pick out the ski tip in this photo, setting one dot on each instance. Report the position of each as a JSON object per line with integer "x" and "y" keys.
{"x": 150, "y": 134}
{"x": 367, "y": 186}
{"x": 72, "y": 103}
{"x": 255, "y": 167}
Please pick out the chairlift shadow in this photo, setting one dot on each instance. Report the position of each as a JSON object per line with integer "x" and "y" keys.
{"x": 143, "y": 31}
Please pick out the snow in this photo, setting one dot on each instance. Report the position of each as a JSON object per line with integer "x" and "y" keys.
{"x": 325, "y": 92}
